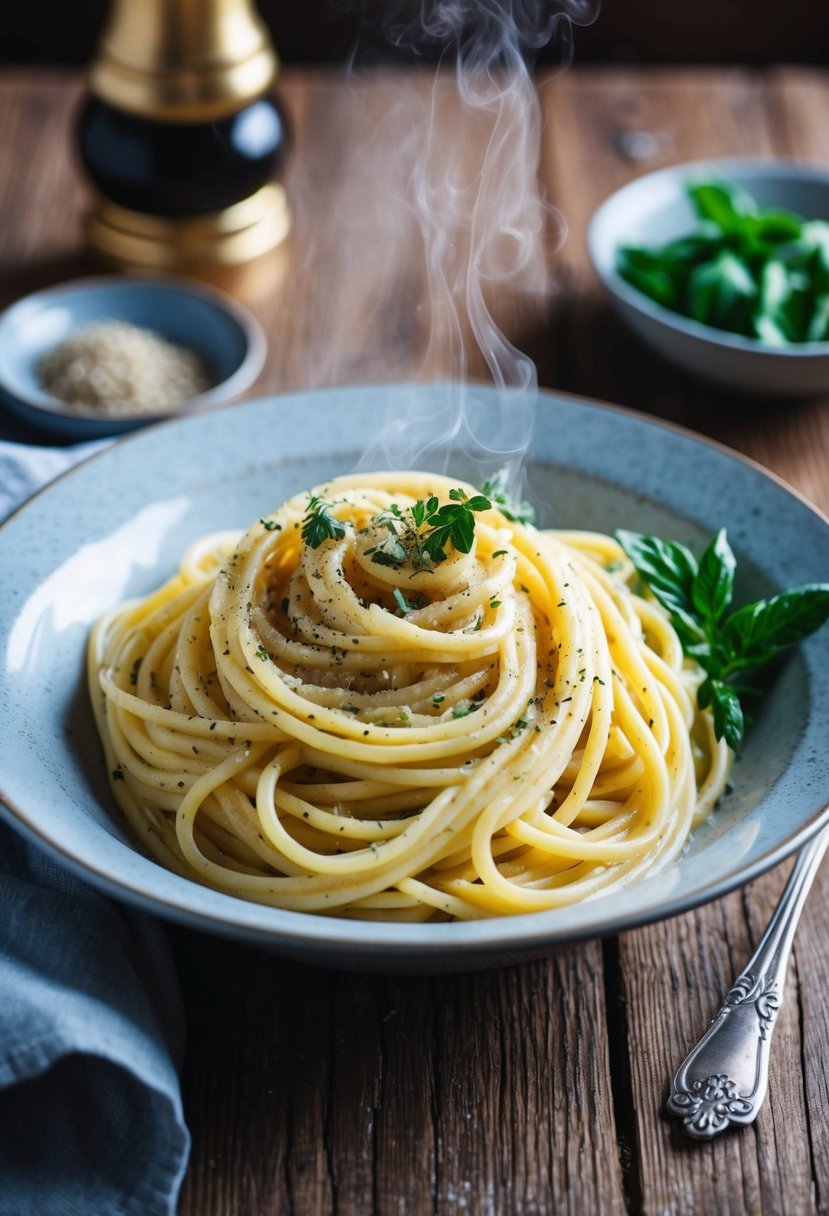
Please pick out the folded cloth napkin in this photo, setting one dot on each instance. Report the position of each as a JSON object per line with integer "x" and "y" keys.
{"x": 24, "y": 468}
{"x": 91, "y": 1025}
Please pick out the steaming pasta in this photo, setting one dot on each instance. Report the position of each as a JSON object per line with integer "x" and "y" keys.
{"x": 513, "y": 730}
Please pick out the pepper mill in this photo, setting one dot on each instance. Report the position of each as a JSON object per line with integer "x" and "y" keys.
{"x": 182, "y": 137}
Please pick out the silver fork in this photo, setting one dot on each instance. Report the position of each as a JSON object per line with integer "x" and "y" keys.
{"x": 722, "y": 1082}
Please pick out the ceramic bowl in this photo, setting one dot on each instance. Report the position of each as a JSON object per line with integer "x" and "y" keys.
{"x": 654, "y": 209}
{"x": 228, "y": 339}
{"x": 590, "y": 467}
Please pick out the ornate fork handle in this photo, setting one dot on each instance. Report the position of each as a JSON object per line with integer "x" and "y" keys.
{"x": 723, "y": 1080}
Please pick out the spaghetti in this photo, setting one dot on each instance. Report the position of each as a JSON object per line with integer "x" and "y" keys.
{"x": 506, "y": 730}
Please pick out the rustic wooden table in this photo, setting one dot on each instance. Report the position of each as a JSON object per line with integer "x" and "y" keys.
{"x": 537, "y": 1088}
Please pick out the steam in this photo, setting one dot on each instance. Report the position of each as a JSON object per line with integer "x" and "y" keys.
{"x": 484, "y": 225}
{"x": 465, "y": 222}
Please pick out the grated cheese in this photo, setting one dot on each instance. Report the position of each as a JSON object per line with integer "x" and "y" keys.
{"x": 119, "y": 369}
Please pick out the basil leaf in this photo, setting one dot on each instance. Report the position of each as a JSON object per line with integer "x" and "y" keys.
{"x": 697, "y": 594}
{"x": 756, "y": 632}
{"x": 713, "y": 584}
{"x": 669, "y": 569}
{"x": 773, "y": 227}
{"x": 719, "y": 293}
{"x": 769, "y": 331}
{"x": 478, "y": 503}
{"x": 655, "y": 281}
{"x": 775, "y": 287}
{"x": 729, "y": 722}
{"x": 691, "y": 249}
{"x": 462, "y": 532}
{"x": 818, "y": 330}
{"x": 725, "y": 205}
{"x": 786, "y": 300}
{"x": 815, "y": 234}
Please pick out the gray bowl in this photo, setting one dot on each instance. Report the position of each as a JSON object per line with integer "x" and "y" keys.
{"x": 228, "y": 339}
{"x": 654, "y": 209}
{"x": 590, "y": 467}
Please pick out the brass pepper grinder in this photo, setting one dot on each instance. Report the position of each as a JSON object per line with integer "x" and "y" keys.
{"x": 182, "y": 137}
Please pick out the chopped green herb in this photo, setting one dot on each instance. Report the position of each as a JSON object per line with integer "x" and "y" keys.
{"x": 515, "y": 510}
{"x": 320, "y": 523}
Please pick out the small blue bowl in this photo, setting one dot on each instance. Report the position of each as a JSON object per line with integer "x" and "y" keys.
{"x": 654, "y": 209}
{"x": 228, "y": 339}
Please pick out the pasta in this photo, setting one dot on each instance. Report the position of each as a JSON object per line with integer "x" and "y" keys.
{"x": 326, "y": 730}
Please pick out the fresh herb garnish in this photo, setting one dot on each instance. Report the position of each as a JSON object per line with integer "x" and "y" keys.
{"x": 410, "y": 605}
{"x": 760, "y": 272}
{"x": 320, "y": 523}
{"x": 726, "y": 645}
{"x": 518, "y": 511}
{"x": 420, "y": 533}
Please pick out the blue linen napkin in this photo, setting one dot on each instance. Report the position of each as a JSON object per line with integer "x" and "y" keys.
{"x": 91, "y": 1024}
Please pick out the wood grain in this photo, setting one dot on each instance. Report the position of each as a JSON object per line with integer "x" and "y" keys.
{"x": 536, "y": 1088}
{"x": 312, "y": 1091}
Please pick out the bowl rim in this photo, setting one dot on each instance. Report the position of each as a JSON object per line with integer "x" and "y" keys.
{"x": 605, "y": 270}
{"x": 51, "y": 408}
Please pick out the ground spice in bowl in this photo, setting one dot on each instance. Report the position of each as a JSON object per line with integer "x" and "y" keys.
{"x": 120, "y": 370}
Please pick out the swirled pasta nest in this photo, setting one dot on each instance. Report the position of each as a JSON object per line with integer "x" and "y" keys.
{"x": 510, "y": 730}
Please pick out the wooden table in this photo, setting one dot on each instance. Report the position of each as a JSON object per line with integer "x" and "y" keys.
{"x": 537, "y": 1088}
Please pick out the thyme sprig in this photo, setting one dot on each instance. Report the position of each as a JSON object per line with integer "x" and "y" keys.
{"x": 421, "y": 533}
{"x": 516, "y": 510}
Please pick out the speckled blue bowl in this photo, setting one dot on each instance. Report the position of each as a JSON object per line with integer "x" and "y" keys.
{"x": 228, "y": 339}
{"x": 590, "y": 466}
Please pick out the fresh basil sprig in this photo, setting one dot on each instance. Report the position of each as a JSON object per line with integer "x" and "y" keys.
{"x": 697, "y": 594}
{"x": 757, "y": 271}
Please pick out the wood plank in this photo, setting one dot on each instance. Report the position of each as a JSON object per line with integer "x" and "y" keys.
{"x": 674, "y": 975}
{"x": 604, "y": 128}
{"x": 811, "y": 959}
{"x": 308, "y": 1091}
{"x": 372, "y": 285}
{"x": 311, "y": 1091}
{"x": 42, "y": 196}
